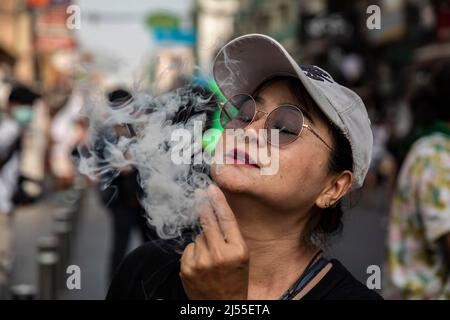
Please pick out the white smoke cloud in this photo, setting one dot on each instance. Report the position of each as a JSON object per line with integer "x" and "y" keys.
{"x": 169, "y": 189}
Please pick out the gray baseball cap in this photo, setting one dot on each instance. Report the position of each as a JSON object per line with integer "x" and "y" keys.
{"x": 247, "y": 61}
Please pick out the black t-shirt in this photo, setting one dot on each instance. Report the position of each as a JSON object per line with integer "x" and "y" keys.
{"x": 152, "y": 272}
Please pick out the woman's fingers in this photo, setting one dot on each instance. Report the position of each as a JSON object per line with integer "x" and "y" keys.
{"x": 201, "y": 249}
{"x": 187, "y": 259}
{"x": 225, "y": 215}
{"x": 212, "y": 268}
{"x": 209, "y": 223}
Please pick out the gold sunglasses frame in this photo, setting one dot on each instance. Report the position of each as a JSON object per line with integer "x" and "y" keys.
{"x": 297, "y": 108}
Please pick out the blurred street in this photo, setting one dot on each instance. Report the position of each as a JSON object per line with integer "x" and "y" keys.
{"x": 364, "y": 234}
{"x": 363, "y": 238}
{"x": 89, "y": 251}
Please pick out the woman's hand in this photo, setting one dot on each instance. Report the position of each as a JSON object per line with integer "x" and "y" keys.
{"x": 215, "y": 266}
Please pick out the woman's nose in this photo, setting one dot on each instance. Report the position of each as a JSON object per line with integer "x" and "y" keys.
{"x": 254, "y": 131}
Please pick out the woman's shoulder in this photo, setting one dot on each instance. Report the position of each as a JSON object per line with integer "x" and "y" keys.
{"x": 340, "y": 284}
{"x": 149, "y": 262}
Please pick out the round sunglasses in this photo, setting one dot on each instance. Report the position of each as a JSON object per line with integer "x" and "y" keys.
{"x": 240, "y": 111}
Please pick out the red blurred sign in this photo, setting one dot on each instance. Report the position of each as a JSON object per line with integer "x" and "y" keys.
{"x": 45, "y": 3}
{"x": 54, "y": 16}
{"x": 50, "y": 44}
{"x": 37, "y": 3}
{"x": 60, "y": 2}
{"x": 52, "y": 32}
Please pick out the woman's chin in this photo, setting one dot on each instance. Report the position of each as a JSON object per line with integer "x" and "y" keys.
{"x": 232, "y": 178}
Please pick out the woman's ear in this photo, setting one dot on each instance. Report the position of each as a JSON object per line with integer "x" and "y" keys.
{"x": 335, "y": 189}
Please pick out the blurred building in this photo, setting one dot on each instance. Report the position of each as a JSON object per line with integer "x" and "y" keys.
{"x": 383, "y": 65}
{"x": 172, "y": 68}
{"x": 34, "y": 34}
{"x": 215, "y": 23}
{"x": 7, "y": 61}
{"x": 218, "y": 21}
{"x": 54, "y": 42}
{"x": 16, "y": 51}
{"x": 37, "y": 48}
{"x": 173, "y": 60}
{"x": 276, "y": 18}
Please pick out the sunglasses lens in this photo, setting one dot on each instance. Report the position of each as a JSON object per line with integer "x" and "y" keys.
{"x": 238, "y": 112}
{"x": 288, "y": 121}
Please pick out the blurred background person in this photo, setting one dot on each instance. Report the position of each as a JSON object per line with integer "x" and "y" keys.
{"x": 66, "y": 132}
{"x": 382, "y": 170}
{"x": 419, "y": 231}
{"x": 14, "y": 121}
{"x": 121, "y": 197}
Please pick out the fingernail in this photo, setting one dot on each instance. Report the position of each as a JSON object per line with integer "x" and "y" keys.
{"x": 200, "y": 195}
{"x": 213, "y": 188}
{"x": 199, "y": 191}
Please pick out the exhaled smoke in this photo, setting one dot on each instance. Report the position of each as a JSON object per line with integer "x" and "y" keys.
{"x": 134, "y": 132}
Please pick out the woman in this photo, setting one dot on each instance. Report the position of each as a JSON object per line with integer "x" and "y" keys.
{"x": 262, "y": 234}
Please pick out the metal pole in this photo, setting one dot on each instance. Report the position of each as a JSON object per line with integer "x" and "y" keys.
{"x": 75, "y": 210}
{"x": 64, "y": 215}
{"x": 48, "y": 267}
{"x": 62, "y": 233}
{"x": 23, "y": 292}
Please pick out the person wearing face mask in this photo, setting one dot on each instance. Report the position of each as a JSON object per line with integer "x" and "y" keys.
{"x": 13, "y": 121}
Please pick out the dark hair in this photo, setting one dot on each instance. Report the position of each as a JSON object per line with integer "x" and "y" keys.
{"x": 22, "y": 94}
{"x": 324, "y": 222}
{"x": 330, "y": 219}
{"x": 119, "y": 98}
{"x": 441, "y": 85}
{"x": 423, "y": 107}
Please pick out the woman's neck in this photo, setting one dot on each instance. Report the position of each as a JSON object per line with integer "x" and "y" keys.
{"x": 277, "y": 255}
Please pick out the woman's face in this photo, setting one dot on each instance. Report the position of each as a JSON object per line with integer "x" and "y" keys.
{"x": 303, "y": 164}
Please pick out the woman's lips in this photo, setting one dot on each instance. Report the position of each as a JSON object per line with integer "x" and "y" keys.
{"x": 240, "y": 157}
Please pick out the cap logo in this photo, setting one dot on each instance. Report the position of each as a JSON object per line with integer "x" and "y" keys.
{"x": 316, "y": 73}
